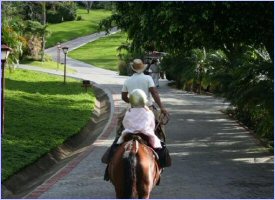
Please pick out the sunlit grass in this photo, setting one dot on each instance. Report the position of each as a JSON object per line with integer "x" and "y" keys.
{"x": 101, "y": 53}
{"x": 66, "y": 31}
{"x": 40, "y": 114}
{"x": 49, "y": 65}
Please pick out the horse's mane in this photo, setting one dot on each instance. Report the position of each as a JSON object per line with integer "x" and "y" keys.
{"x": 130, "y": 163}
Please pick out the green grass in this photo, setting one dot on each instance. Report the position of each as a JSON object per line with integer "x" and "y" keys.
{"x": 66, "y": 31}
{"x": 40, "y": 114}
{"x": 101, "y": 53}
{"x": 48, "y": 65}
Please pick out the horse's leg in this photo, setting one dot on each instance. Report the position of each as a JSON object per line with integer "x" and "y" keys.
{"x": 145, "y": 183}
{"x": 119, "y": 193}
{"x": 116, "y": 174}
{"x": 144, "y": 195}
{"x": 144, "y": 188}
{"x": 147, "y": 174}
{"x": 119, "y": 185}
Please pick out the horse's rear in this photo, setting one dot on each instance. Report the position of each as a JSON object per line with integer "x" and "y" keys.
{"x": 134, "y": 170}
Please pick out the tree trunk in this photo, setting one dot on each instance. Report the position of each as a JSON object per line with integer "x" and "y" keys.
{"x": 88, "y": 5}
{"x": 44, "y": 35}
{"x": 200, "y": 78}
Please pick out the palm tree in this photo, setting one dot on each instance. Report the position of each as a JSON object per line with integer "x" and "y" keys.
{"x": 199, "y": 56}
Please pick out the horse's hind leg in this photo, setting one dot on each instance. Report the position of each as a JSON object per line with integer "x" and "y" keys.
{"x": 119, "y": 194}
{"x": 144, "y": 192}
{"x": 144, "y": 195}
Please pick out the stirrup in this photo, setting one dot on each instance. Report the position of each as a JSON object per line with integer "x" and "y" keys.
{"x": 106, "y": 156}
{"x": 106, "y": 174}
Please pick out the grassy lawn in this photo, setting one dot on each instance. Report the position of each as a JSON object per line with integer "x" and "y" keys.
{"x": 48, "y": 65}
{"x": 101, "y": 53}
{"x": 40, "y": 113}
{"x": 66, "y": 31}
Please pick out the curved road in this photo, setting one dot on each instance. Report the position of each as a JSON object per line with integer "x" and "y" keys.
{"x": 213, "y": 156}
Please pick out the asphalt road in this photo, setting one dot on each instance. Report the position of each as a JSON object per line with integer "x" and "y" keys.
{"x": 213, "y": 156}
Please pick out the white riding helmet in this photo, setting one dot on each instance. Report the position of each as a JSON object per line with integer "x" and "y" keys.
{"x": 138, "y": 98}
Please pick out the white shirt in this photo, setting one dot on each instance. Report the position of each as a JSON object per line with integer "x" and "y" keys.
{"x": 140, "y": 120}
{"x": 154, "y": 68}
{"x": 139, "y": 81}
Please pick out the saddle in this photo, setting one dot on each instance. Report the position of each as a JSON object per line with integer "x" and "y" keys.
{"x": 142, "y": 139}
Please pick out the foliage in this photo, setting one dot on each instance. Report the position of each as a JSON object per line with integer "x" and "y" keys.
{"x": 55, "y": 11}
{"x": 67, "y": 10}
{"x": 54, "y": 16}
{"x": 252, "y": 91}
{"x": 15, "y": 41}
{"x": 78, "y": 18}
{"x": 122, "y": 68}
{"x": 103, "y": 5}
{"x": 26, "y": 26}
{"x": 86, "y": 4}
{"x": 34, "y": 32}
{"x": 31, "y": 11}
{"x": 35, "y": 119}
{"x": 58, "y": 12}
{"x": 238, "y": 41}
{"x": 215, "y": 25}
{"x": 179, "y": 68}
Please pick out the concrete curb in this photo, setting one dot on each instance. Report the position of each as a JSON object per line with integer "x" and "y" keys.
{"x": 35, "y": 174}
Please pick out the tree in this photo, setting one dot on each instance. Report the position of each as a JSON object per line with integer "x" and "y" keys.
{"x": 199, "y": 57}
{"x": 23, "y": 31}
{"x": 88, "y": 5}
{"x": 43, "y": 4}
{"x": 237, "y": 35}
{"x": 178, "y": 26}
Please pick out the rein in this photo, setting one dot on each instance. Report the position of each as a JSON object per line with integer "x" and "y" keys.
{"x": 163, "y": 120}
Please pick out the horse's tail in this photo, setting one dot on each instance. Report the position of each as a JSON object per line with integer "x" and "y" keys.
{"x": 130, "y": 173}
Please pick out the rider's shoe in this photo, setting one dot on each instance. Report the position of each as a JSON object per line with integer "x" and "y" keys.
{"x": 106, "y": 174}
{"x": 107, "y": 156}
{"x": 164, "y": 157}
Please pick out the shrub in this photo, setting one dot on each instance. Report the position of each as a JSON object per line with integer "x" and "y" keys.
{"x": 79, "y": 18}
{"x": 14, "y": 40}
{"x": 54, "y": 17}
{"x": 68, "y": 11}
{"x": 122, "y": 68}
{"x": 35, "y": 47}
{"x": 103, "y": 5}
{"x": 65, "y": 11}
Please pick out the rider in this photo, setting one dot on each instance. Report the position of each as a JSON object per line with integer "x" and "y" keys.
{"x": 144, "y": 82}
{"x": 140, "y": 119}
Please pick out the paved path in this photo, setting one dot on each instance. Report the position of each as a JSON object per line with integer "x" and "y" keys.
{"x": 213, "y": 156}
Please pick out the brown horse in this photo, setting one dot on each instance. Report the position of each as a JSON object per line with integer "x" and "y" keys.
{"x": 134, "y": 170}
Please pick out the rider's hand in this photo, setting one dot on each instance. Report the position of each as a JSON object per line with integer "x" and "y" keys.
{"x": 164, "y": 111}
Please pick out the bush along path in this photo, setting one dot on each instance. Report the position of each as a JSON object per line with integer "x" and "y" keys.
{"x": 213, "y": 157}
